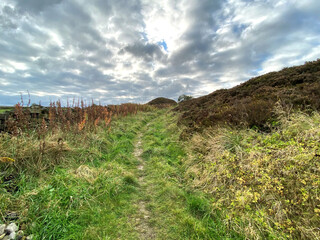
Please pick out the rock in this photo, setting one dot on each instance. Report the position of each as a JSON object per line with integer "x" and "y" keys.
{"x": 2, "y": 228}
{"x": 11, "y": 216}
{"x": 20, "y": 235}
{"x": 11, "y": 228}
{"x": 12, "y": 236}
{"x": 23, "y": 226}
{"x": 30, "y": 237}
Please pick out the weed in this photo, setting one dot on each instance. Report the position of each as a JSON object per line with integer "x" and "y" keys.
{"x": 130, "y": 180}
{"x": 199, "y": 206}
{"x": 81, "y": 189}
{"x": 267, "y": 184}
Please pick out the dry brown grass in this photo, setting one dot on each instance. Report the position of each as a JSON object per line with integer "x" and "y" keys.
{"x": 251, "y": 103}
{"x": 76, "y": 117}
{"x": 87, "y": 173}
{"x": 37, "y": 145}
{"x": 267, "y": 185}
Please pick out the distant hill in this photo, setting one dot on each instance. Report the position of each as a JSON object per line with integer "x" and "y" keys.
{"x": 162, "y": 101}
{"x": 252, "y": 103}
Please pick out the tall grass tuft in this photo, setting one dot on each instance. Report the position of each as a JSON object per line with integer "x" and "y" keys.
{"x": 267, "y": 184}
{"x": 38, "y": 144}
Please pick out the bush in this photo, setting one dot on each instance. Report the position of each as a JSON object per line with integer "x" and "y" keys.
{"x": 184, "y": 97}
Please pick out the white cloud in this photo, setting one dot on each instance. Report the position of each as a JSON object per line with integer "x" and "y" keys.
{"x": 114, "y": 51}
{"x": 3, "y": 82}
{"x": 165, "y": 20}
{"x": 17, "y": 65}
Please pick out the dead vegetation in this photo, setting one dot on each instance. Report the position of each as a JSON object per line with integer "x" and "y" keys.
{"x": 266, "y": 184}
{"x": 251, "y": 103}
{"x": 162, "y": 102}
{"x": 39, "y": 144}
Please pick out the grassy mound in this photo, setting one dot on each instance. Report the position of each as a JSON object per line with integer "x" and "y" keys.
{"x": 266, "y": 185}
{"x": 161, "y": 101}
{"x": 252, "y": 102}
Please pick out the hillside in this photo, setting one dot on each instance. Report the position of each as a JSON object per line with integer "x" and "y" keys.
{"x": 252, "y": 102}
{"x": 160, "y": 101}
{"x": 122, "y": 171}
{"x": 128, "y": 176}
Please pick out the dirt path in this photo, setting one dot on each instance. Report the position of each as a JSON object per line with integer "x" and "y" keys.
{"x": 143, "y": 219}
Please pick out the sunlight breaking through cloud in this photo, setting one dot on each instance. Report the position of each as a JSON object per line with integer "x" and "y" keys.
{"x": 118, "y": 51}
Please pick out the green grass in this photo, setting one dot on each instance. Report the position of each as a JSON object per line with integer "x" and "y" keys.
{"x": 2, "y": 110}
{"x": 178, "y": 212}
{"x": 267, "y": 184}
{"x": 67, "y": 202}
{"x": 92, "y": 189}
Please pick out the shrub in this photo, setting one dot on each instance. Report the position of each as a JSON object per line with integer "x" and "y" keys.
{"x": 184, "y": 97}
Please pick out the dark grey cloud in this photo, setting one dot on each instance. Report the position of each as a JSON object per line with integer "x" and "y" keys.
{"x": 36, "y": 6}
{"x": 117, "y": 50}
{"x": 6, "y": 22}
{"x": 198, "y": 38}
{"x": 148, "y": 52}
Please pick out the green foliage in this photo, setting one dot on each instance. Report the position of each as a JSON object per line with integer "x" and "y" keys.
{"x": 5, "y": 109}
{"x": 81, "y": 190}
{"x": 178, "y": 211}
{"x": 93, "y": 190}
{"x": 184, "y": 97}
{"x": 233, "y": 183}
{"x": 269, "y": 183}
{"x": 199, "y": 206}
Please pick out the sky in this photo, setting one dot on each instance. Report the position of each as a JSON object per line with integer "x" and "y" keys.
{"x": 116, "y": 51}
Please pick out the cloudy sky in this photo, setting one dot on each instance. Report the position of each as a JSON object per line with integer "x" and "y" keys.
{"x": 118, "y": 51}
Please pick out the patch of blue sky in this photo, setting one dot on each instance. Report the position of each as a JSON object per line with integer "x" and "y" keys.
{"x": 256, "y": 72}
{"x": 163, "y": 44}
{"x": 258, "y": 60}
{"x": 145, "y": 36}
{"x": 239, "y": 28}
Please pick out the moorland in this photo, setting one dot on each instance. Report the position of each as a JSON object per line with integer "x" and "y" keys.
{"x": 239, "y": 163}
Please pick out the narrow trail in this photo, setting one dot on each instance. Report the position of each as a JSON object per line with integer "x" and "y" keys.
{"x": 160, "y": 205}
{"x": 142, "y": 221}
{"x": 131, "y": 187}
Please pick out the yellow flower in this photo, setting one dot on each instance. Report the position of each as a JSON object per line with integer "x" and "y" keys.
{"x": 6, "y": 160}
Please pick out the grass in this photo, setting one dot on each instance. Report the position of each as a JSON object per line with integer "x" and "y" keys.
{"x": 251, "y": 103}
{"x": 178, "y": 212}
{"x": 91, "y": 188}
{"x": 266, "y": 184}
{"x": 2, "y": 110}
{"x": 228, "y": 183}
{"x": 86, "y": 195}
